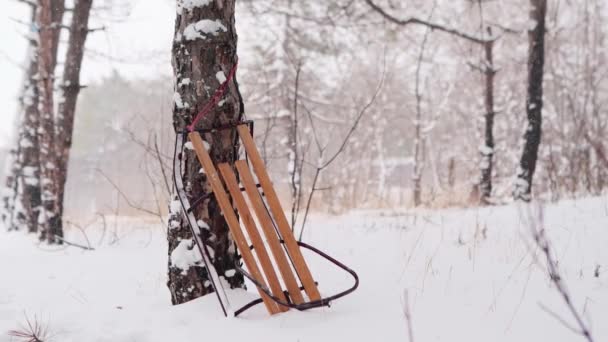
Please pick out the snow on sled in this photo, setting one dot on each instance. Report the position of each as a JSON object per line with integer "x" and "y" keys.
{"x": 301, "y": 291}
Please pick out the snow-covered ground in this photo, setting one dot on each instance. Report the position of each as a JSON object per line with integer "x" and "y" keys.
{"x": 470, "y": 275}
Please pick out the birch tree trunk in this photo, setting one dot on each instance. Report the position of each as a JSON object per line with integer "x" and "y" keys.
{"x": 79, "y": 29}
{"x": 204, "y": 52}
{"x": 534, "y": 101}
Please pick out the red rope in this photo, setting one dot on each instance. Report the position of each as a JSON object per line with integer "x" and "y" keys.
{"x": 217, "y": 96}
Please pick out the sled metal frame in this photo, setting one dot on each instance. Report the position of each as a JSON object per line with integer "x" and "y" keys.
{"x": 275, "y": 298}
{"x": 196, "y": 231}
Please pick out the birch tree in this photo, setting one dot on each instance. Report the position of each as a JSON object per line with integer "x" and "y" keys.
{"x": 204, "y": 53}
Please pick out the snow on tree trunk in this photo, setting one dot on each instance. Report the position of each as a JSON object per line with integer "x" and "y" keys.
{"x": 30, "y": 144}
{"x": 11, "y": 187}
{"x": 487, "y": 150}
{"x": 204, "y": 52}
{"x": 70, "y": 87}
{"x": 49, "y": 23}
{"x": 13, "y": 215}
{"x": 534, "y": 101}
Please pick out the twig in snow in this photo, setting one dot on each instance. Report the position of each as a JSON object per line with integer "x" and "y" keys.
{"x": 408, "y": 315}
{"x": 86, "y": 248}
{"x": 104, "y": 228}
{"x": 81, "y": 229}
{"x": 535, "y": 221}
{"x": 32, "y": 331}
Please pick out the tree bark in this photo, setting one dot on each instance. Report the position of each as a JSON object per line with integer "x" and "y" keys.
{"x": 487, "y": 151}
{"x": 79, "y": 30}
{"x": 30, "y": 142}
{"x": 204, "y": 52}
{"x": 11, "y": 185}
{"x": 534, "y": 101}
{"x": 47, "y": 56}
{"x": 14, "y": 213}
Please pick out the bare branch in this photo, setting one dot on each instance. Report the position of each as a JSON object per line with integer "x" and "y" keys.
{"x": 431, "y": 25}
{"x": 408, "y": 315}
{"x": 161, "y": 165}
{"x": 323, "y": 165}
{"x": 559, "y": 318}
{"x": 86, "y": 248}
{"x": 97, "y": 29}
{"x": 125, "y": 197}
{"x": 31, "y": 3}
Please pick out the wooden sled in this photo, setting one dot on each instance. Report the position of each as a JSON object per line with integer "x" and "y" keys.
{"x": 270, "y": 252}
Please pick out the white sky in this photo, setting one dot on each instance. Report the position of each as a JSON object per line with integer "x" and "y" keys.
{"x": 138, "y": 47}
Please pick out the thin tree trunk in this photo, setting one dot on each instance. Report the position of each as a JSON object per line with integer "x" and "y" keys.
{"x": 30, "y": 142}
{"x": 204, "y": 52}
{"x": 57, "y": 12}
{"x": 13, "y": 214}
{"x": 487, "y": 151}
{"x": 49, "y": 36}
{"x": 534, "y": 101}
{"x": 79, "y": 30}
{"x": 418, "y": 137}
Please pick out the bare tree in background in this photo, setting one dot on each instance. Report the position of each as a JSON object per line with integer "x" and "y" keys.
{"x": 418, "y": 134}
{"x": 534, "y": 100}
{"x": 488, "y": 69}
{"x": 204, "y": 52}
{"x": 487, "y": 150}
{"x": 79, "y": 30}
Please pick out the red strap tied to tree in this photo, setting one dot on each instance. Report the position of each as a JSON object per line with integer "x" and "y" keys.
{"x": 217, "y": 96}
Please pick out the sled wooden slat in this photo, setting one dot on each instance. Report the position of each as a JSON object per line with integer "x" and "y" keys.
{"x": 271, "y": 235}
{"x": 275, "y": 207}
{"x": 230, "y": 216}
{"x": 254, "y": 235}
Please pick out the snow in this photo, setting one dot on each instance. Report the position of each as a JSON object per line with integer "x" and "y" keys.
{"x": 220, "y": 77}
{"x": 175, "y": 207}
{"x": 190, "y": 4}
{"x": 186, "y": 255}
{"x": 202, "y": 224}
{"x": 184, "y": 82}
{"x": 470, "y": 275}
{"x": 486, "y": 150}
{"x": 179, "y": 103}
{"x": 203, "y": 28}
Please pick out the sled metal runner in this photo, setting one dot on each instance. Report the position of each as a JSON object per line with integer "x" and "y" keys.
{"x": 277, "y": 253}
